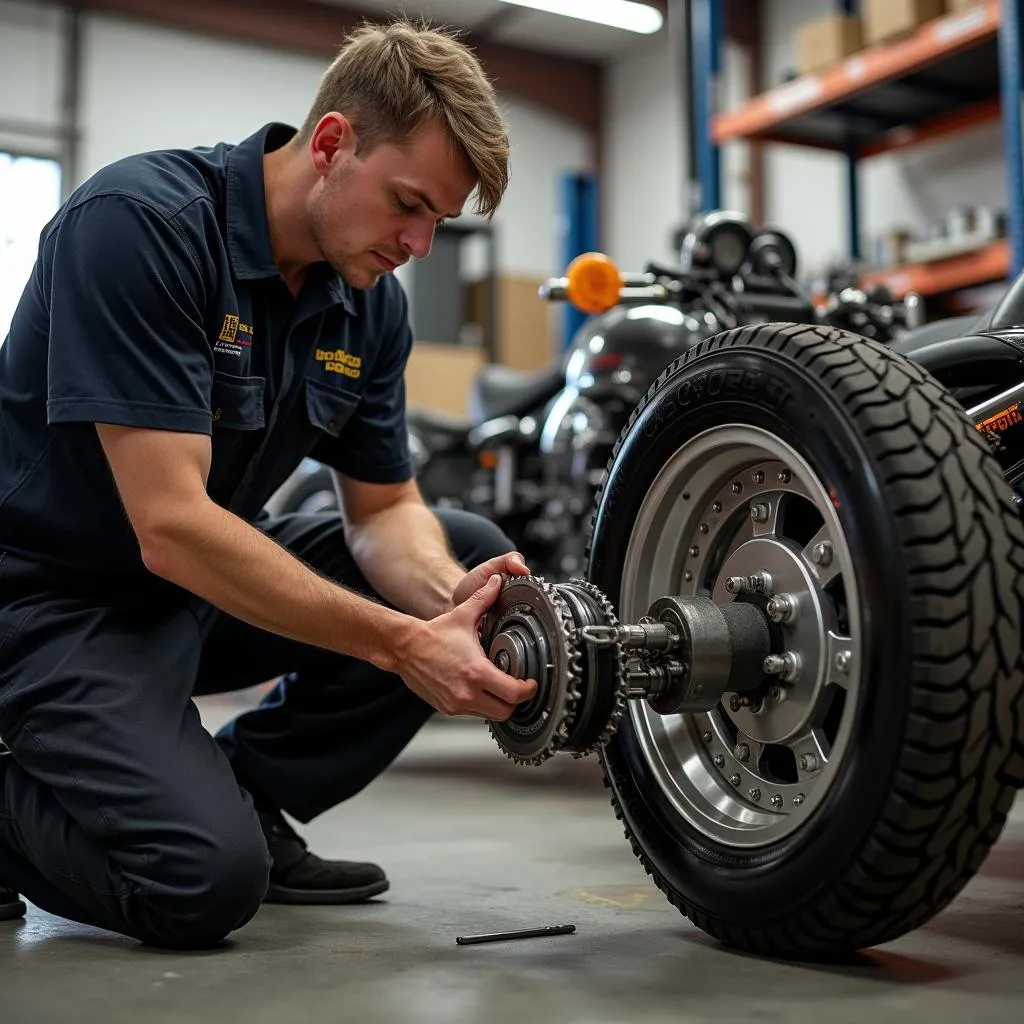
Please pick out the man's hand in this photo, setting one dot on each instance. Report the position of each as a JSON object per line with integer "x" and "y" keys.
{"x": 512, "y": 564}
{"x": 448, "y": 668}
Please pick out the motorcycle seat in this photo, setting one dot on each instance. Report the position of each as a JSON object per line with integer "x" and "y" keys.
{"x": 438, "y": 424}
{"x": 504, "y": 391}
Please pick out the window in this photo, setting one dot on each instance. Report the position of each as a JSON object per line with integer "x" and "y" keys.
{"x": 29, "y": 197}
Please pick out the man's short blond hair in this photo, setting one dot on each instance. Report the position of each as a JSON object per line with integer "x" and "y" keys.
{"x": 391, "y": 80}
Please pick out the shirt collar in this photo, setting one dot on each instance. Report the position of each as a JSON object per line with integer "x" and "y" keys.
{"x": 248, "y": 234}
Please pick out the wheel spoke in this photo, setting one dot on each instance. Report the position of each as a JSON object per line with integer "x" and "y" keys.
{"x": 811, "y": 756}
{"x": 764, "y": 515}
{"x": 820, "y": 556}
{"x": 840, "y": 659}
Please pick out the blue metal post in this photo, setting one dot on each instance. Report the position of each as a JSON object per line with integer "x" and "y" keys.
{"x": 852, "y": 204}
{"x": 1011, "y": 76}
{"x": 705, "y": 65}
{"x": 580, "y": 220}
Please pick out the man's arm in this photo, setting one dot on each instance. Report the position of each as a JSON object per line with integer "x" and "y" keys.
{"x": 399, "y": 545}
{"x": 190, "y": 540}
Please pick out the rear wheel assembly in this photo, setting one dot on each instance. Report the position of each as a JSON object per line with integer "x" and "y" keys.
{"x": 807, "y": 699}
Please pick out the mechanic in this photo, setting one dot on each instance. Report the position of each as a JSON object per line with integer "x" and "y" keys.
{"x": 198, "y": 322}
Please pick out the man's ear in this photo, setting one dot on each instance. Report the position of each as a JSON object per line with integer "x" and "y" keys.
{"x": 333, "y": 139}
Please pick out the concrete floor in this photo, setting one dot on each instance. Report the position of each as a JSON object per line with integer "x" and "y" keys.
{"x": 472, "y": 844}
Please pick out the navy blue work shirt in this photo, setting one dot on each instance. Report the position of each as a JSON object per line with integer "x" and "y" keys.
{"x": 155, "y": 302}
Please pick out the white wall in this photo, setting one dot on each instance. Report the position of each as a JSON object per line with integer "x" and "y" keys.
{"x": 644, "y": 172}
{"x": 30, "y": 67}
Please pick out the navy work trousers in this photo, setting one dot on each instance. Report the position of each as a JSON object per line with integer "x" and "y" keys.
{"x": 117, "y": 808}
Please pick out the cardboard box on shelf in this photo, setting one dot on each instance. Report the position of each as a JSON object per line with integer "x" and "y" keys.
{"x": 826, "y": 41}
{"x": 956, "y": 6}
{"x": 885, "y": 20}
{"x": 439, "y": 376}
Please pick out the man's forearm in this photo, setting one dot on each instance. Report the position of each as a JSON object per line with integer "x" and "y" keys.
{"x": 403, "y": 553}
{"x": 239, "y": 569}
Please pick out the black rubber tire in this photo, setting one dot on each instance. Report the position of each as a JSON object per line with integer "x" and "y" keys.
{"x": 935, "y": 759}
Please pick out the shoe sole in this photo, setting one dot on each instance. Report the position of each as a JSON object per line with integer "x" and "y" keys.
{"x": 12, "y": 911}
{"x": 325, "y": 897}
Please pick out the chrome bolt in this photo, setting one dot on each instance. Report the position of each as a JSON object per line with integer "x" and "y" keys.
{"x": 755, "y": 794}
{"x": 735, "y": 780}
{"x": 737, "y": 487}
{"x": 842, "y": 662}
{"x": 759, "y": 477}
{"x": 707, "y": 736}
{"x": 799, "y": 799}
{"x": 776, "y": 801}
{"x": 761, "y": 582}
{"x": 785, "y": 476}
{"x": 694, "y": 551}
{"x": 781, "y": 608}
{"x": 717, "y": 507}
{"x": 703, "y": 527}
{"x": 719, "y": 761}
{"x": 822, "y": 554}
{"x": 742, "y": 752}
{"x": 773, "y": 665}
{"x": 760, "y": 512}
{"x": 735, "y": 584}
{"x": 808, "y": 763}
{"x": 688, "y": 576}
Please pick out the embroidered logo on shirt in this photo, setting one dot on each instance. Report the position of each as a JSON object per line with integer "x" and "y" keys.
{"x": 234, "y": 336}
{"x": 339, "y": 361}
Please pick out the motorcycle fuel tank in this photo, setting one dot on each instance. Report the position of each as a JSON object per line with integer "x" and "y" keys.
{"x": 631, "y": 345}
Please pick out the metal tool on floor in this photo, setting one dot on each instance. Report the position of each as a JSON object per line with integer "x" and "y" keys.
{"x": 524, "y": 933}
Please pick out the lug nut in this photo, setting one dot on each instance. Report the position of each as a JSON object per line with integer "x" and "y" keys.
{"x": 735, "y": 703}
{"x": 760, "y": 512}
{"x": 503, "y": 661}
{"x": 735, "y": 584}
{"x": 822, "y": 554}
{"x": 736, "y": 488}
{"x": 774, "y": 665}
{"x": 742, "y": 752}
{"x": 755, "y": 794}
{"x": 785, "y": 476}
{"x": 735, "y": 780}
{"x": 808, "y": 763}
{"x": 842, "y": 662}
{"x": 759, "y": 477}
{"x": 799, "y": 799}
{"x": 776, "y": 801}
{"x": 719, "y": 761}
{"x": 781, "y": 608}
{"x": 707, "y": 736}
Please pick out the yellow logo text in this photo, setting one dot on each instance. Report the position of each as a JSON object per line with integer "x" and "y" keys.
{"x": 339, "y": 361}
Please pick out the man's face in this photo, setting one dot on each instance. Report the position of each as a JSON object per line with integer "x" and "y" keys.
{"x": 371, "y": 213}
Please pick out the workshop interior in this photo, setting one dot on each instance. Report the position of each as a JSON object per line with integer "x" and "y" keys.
{"x": 738, "y": 367}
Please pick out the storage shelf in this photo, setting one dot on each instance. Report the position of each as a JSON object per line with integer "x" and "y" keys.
{"x": 941, "y": 79}
{"x": 940, "y": 276}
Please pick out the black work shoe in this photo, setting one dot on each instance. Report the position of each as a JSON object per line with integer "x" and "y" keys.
{"x": 11, "y": 907}
{"x": 298, "y": 876}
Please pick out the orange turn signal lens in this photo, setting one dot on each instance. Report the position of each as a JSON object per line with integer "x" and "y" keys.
{"x": 594, "y": 283}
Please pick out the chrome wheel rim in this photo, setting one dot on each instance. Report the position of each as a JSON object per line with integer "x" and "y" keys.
{"x": 732, "y": 504}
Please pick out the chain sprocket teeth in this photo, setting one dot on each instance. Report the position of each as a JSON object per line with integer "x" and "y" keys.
{"x": 621, "y": 681}
{"x": 574, "y": 661}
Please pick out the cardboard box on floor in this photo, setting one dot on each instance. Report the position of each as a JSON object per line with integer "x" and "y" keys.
{"x": 885, "y": 20}
{"x": 826, "y": 41}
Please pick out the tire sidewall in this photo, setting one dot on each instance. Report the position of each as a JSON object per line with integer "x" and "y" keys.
{"x": 760, "y": 387}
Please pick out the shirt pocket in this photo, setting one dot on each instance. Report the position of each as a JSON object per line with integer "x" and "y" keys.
{"x": 237, "y": 402}
{"x": 329, "y": 408}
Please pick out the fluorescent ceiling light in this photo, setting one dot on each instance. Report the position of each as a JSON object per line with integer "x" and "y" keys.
{"x": 625, "y": 14}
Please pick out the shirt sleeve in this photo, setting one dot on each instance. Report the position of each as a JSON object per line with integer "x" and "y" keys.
{"x": 127, "y": 343}
{"x": 374, "y": 444}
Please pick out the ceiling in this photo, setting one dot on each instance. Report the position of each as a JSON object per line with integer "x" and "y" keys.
{"x": 512, "y": 25}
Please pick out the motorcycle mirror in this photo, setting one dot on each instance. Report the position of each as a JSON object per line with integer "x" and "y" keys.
{"x": 593, "y": 283}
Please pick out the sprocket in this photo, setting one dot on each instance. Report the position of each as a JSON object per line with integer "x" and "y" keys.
{"x": 535, "y": 631}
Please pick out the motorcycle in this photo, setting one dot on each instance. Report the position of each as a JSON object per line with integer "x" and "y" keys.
{"x": 535, "y": 445}
{"x": 796, "y": 648}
